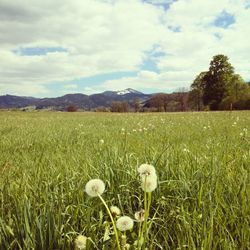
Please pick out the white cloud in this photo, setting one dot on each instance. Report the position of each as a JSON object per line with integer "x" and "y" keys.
{"x": 100, "y": 37}
{"x": 34, "y": 90}
{"x": 148, "y": 80}
{"x": 103, "y": 36}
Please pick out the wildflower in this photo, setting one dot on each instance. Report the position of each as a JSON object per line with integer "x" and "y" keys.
{"x": 81, "y": 242}
{"x": 95, "y": 187}
{"x": 149, "y": 183}
{"x": 139, "y": 215}
{"x": 127, "y": 246}
{"x": 115, "y": 211}
{"x": 124, "y": 223}
{"x": 146, "y": 170}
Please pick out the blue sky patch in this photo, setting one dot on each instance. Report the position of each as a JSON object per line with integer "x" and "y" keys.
{"x": 98, "y": 79}
{"x": 92, "y": 82}
{"x": 160, "y": 3}
{"x": 150, "y": 65}
{"x": 175, "y": 29}
{"x": 38, "y": 51}
{"x": 224, "y": 20}
{"x": 151, "y": 59}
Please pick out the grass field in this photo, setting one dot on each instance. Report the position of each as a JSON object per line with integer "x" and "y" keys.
{"x": 202, "y": 161}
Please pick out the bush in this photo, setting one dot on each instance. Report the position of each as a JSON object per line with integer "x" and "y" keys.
{"x": 71, "y": 108}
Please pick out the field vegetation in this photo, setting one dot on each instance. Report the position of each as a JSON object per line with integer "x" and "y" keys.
{"x": 202, "y": 160}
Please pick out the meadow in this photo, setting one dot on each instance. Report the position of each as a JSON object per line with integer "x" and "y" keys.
{"x": 202, "y": 160}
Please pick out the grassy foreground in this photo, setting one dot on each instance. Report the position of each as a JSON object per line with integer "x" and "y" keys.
{"x": 202, "y": 161}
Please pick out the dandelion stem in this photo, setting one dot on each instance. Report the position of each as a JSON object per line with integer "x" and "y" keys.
{"x": 112, "y": 220}
{"x": 147, "y": 215}
{"x": 147, "y": 204}
{"x": 139, "y": 236}
{"x": 144, "y": 225}
{"x": 146, "y": 212}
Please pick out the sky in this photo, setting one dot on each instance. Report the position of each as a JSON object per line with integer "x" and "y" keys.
{"x": 51, "y": 48}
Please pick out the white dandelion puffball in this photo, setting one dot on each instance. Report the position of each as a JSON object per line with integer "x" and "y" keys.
{"x": 139, "y": 215}
{"x": 149, "y": 183}
{"x": 81, "y": 242}
{"x": 124, "y": 223}
{"x": 95, "y": 187}
{"x": 146, "y": 170}
{"x": 115, "y": 211}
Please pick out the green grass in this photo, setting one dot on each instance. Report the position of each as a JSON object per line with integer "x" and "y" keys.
{"x": 202, "y": 161}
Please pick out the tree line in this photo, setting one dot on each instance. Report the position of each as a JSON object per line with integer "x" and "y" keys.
{"x": 219, "y": 88}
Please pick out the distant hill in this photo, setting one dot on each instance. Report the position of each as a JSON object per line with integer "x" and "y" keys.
{"x": 81, "y": 101}
{"x": 11, "y": 101}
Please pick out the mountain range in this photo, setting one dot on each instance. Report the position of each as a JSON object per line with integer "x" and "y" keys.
{"x": 80, "y": 101}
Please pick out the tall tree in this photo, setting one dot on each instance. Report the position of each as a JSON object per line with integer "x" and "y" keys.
{"x": 196, "y": 93}
{"x": 217, "y": 81}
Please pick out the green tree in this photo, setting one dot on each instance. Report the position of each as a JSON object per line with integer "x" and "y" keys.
{"x": 217, "y": 81}
{"x": 237, "y": 90}
{"x": 196, "y": 93}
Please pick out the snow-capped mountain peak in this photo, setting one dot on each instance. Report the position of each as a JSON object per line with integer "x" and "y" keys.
{"x": 127, "y": 91}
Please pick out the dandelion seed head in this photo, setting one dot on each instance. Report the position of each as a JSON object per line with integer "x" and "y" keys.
{"x": 115, "y": 211}
{"x": 127, "y": 246}
{"x": 146, "y": 170}
{"x": 81, "y": 242}
{"x": 149, "y": 183}
{"x": 124, "y": 223}
{"x": 95, "y": 187}
{"x": 139, "y": 215}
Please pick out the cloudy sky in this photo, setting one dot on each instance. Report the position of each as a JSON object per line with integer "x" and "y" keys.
{"x": 50, "y": 48}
